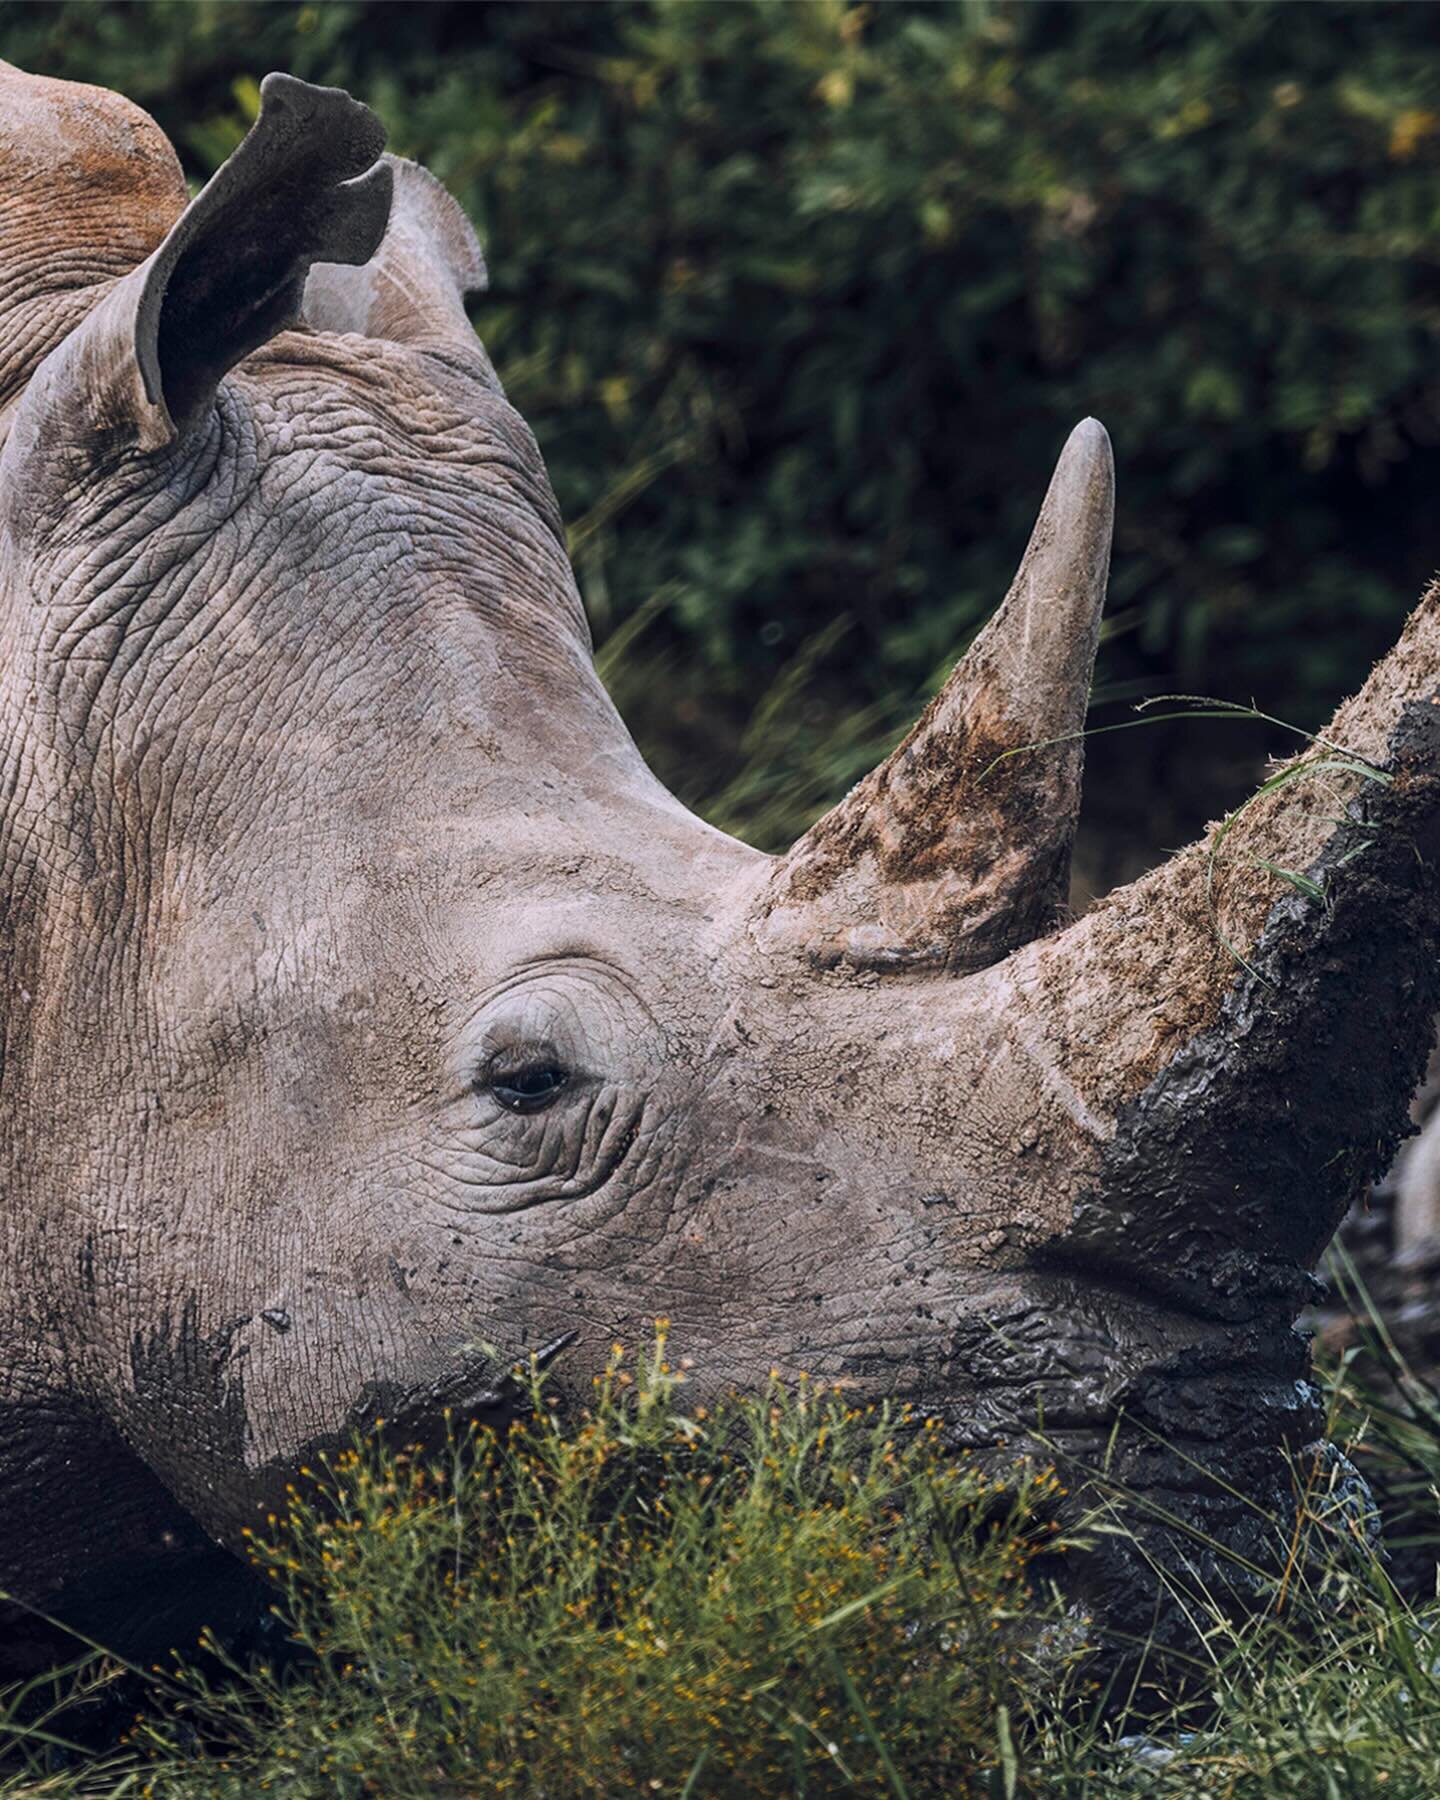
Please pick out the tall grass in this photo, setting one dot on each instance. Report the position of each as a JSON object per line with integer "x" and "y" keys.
{"x": 787, "y": 1594}
{"x": 640, "y": 1600}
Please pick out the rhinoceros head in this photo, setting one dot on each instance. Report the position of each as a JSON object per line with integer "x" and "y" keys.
{"x": 375, "y": 1017}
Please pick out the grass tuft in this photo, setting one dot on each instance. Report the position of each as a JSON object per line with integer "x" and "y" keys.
{"x": 788, "y": 1595}
{"x": 784, "y": 1595}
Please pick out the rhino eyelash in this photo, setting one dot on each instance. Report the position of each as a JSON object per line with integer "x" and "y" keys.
{"x": 528, "y": 1088}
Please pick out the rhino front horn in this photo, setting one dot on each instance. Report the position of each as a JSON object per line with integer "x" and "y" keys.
{"x": 957, "y": 848}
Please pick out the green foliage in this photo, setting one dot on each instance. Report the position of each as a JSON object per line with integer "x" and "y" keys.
{"x": 779, "y": 1596}
{"x": 789, "y": 1595}
{"x": 648, "y": 1599}
{"x": 802, "y": 299}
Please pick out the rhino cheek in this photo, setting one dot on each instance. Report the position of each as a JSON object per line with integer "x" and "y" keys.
{"x": 400, "y": 1296}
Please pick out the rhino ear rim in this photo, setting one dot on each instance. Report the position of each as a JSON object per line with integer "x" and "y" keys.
{"x": 413, "y": 290}
{"x": 89, "y": 186}
{"x": 305, "y": 186}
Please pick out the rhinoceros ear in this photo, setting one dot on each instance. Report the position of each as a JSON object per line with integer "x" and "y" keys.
{"x": 414, "y": 289}
{"x": 89, "y": 186}
{"x": 305, "y": 186}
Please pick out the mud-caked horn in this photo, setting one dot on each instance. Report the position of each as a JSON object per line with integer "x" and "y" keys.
{"x": 957, "y": 848}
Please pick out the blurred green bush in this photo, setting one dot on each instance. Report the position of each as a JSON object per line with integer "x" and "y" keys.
{"x": 802, "y": 298}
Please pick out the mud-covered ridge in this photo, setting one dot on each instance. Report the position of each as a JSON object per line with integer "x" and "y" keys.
{"x": 1228, "y": 1174}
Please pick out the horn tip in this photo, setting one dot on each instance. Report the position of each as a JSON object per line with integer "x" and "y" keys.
{"x": 1090, "y": 437}
{"x": 1085, "y": 474}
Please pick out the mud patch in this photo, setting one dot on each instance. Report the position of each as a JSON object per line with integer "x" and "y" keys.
{"x": 1230, "y": 1171}
{"x": 950, "y": 855}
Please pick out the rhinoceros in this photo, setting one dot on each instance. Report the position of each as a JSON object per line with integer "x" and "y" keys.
{"x": 369, "y": 1001}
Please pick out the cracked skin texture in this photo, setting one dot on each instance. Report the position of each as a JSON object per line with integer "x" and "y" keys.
{"x": 316, "y": 822}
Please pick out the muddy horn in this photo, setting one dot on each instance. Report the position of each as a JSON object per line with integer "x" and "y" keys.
{"x": 1253, "y": 1016}
{"x": 953, "y": 852}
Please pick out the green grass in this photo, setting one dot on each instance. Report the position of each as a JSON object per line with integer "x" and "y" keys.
{"x": 787, "y": 1595}
{"x": 784, "y": 1595}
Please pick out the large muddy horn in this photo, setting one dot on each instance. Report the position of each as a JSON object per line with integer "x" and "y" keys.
{"x": 1238, "y": 1033}
{"x": 957, "y": 848}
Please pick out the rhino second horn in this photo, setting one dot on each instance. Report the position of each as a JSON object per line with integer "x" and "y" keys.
{"x": 957, "y": 848}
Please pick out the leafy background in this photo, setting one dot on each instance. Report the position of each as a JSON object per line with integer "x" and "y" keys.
{"x": 801, "y": 300}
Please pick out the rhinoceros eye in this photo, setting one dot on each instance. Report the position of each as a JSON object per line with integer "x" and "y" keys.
{"x": 529, "y": 1088}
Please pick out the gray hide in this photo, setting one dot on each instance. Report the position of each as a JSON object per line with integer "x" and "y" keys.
{"x": 369, "y": 1001}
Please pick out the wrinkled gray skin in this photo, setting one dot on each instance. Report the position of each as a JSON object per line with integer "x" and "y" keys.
{"x": 321, "y": 836}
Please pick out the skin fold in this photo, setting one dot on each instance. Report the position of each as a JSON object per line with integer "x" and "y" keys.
{"x": 374, "y": 1016}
